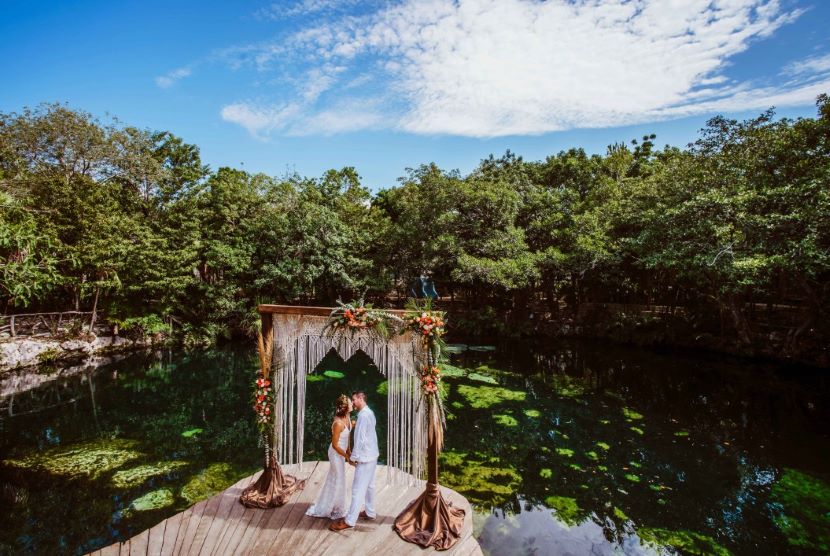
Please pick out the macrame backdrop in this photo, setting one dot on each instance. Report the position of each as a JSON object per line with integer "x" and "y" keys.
{"x": 299, "y": 346}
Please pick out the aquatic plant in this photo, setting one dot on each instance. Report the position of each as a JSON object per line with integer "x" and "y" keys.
{"x": 631, "y": 414}
{"x": 136, "y": 476}
{"x": 217, "y": 477}
{"x": 687, "y": 542}
{"x": 506, "y": 420}
{"x": 153, "y": 500}
{"x": 485, "y": 397}
{"x": 566, "y": 509}
{"x": 532, "y": 413}
{"x": 804, "y": 515}
{"x": 91, "y": 459}
{"x": 480, "y": 478}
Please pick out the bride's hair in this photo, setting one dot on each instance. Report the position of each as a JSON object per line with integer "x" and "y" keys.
{"x": 341, "y": 406}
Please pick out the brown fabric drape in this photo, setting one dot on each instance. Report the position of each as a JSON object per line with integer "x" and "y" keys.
{"x": 272, "y": 489}
{"x": 430, "y": 520}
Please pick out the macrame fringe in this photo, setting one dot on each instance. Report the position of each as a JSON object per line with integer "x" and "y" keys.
{"x": 298, "y": 349}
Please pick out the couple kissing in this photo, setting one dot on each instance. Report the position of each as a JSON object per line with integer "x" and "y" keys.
{"x": 331, "y": 502}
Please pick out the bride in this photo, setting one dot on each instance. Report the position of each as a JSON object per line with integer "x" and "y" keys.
{"x": 331, "y": 502}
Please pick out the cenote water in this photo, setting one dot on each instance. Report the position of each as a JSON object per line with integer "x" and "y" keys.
{"x": 571, "y": 448}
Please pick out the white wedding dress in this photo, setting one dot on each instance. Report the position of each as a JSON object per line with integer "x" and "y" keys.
{"x": 331, "y": 502}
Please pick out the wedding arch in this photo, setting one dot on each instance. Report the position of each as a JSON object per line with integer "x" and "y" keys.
{"x": 405, "y": 346}
{"x": 300, "y": 344}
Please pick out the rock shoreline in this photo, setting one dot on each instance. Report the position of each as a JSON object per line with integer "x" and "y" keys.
{"x": 29, "y": 351}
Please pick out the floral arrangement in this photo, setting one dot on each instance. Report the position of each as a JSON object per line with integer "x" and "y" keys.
{"x": 355, "y": 316}
{"x": 428, "y": 323}
{"x": 430, "y": 380}
{"x": 263, "y": 393}
{"x": 263, "y": 402}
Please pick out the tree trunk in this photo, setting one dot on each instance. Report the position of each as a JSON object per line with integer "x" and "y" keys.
{"x": 94, "y": 311}
{"x": 739, "y": 319}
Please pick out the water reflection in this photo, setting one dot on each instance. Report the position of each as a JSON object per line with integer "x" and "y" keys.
{"x": 562, "y": 448}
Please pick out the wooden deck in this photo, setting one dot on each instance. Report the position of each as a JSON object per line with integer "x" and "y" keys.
{"x": 221, "y": 525}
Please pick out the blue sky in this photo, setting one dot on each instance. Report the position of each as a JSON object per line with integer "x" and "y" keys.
{"x": 309, "y": 85}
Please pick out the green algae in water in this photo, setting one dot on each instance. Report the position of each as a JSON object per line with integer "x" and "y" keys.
{"x": 154, "y": 500}
{"x": 632, "y": 477}
{"x": 576, "y": 467}
{"x": 91, "y": 459}
{"x": 136, "y": 476}
{"x": 682, "y": 433}
{"x": 605, "y": 421}
{"x": 687, "y": 542}
{"x": 546, "y": 473}
{"x": 485, "y": 397}
{"x": 315, "y": 378}
{"x": 631, "y": 414}
{"x": 804, "y": 517}
{"x": 619, "y": 514}
{"x": 216, "y": 478}
{"x": 478, "y": 477}
{"x": 592, "y": 455}
{"x": 567, "y": 452}
{"x": 383, "y": 388}
{"x": 191, "y": 432}
{"x": 478, "y": 377}
{"x": 638, "y": 430}
{"x": 532, "y": 413}
{"x": 506, "y": 420}
{"x": 634, "y": 464}
{"x": 603, "y": 445}
{"x": 452, "y": 371}
{"x": 333, "y": 374}
{"x": 567, "y": 509}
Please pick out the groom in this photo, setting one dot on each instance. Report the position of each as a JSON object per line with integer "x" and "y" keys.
{"x": 365, "y": 459}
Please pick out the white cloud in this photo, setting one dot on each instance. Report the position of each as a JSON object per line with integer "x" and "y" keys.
{"x": 815, "y": 64}
{"x": 169, "y": 79}
{"x": 487, "y": 68}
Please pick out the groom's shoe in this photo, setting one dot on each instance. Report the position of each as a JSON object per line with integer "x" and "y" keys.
{"x": 339, "y": 525}
{"x": 364, "y": 515}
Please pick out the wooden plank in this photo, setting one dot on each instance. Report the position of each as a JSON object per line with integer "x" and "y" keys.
{"x": 111, "y": 550}
{"x": 156, "y": 539}
{"x": 205, "y": 523}
{"x": 232, "y": 519}
{"x": 220, "y": 525}
{"x": 185, "y": 524}
{"x": 310, "y": 311}
{"x": 138, "y": 544}
{"x": 321, "y": 541}
{"x": 208, "y": 535}
{"x": 254, "y": 528}
{"x": 192, "y": 526}
{"x": 290, "y": 514}
{"x": 370, "y": 536}
{"x": 171, "y": 531}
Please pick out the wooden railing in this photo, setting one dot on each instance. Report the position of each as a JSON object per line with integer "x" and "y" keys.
{"x": 34, "y": 324}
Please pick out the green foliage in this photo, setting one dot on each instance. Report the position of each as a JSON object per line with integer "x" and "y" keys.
{"x": 130, "y": 222}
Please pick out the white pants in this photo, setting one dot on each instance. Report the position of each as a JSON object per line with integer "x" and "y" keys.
{"x": 363, "y": 491}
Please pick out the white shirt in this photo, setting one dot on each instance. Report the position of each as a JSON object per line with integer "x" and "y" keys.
{"x": 365, "y": 437}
